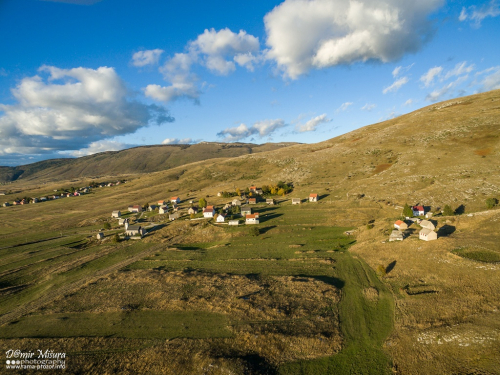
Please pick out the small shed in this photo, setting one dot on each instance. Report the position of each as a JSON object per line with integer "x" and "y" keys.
{"x": 6, "y": 204}
{"x": 246, "y": 211}
{"x": 427, "y": 235}
{"x": 427, "y": 224}
{"x": 428, "y": 215}
{"x": 252, "y": 200}
{"x": 396, "y": 235}
{"x": 100, "y": 236}
{"x": 270, "y": 202}
{"x": 174, "y": 216}
{"x": 400, "y": 224}
{"x": 152, "y": 207}
{"x": 193, "y": 210}
{"x": 313, "y": 197}
{"x": 116, "y": 214}
{"x": 296, "y": 201}
{"x": 221, "y": 218}
{"x": 236, "y": 202}
{"x": 234, "y": 222}
{"x": 122, "y": 221}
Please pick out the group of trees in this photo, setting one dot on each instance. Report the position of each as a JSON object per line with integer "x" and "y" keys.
{"x": 281, "y": 188}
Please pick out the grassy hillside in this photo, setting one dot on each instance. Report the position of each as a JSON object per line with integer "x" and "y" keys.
{"x": 143, "y": 159}
{"x": 300, "y": 296}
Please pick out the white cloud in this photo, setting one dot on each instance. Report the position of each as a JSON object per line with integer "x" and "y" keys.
{"x": 312, "y": 124}
{"x": 307, "y": 34}
{"x": 148, "y": 57}
{"x": 428, "y": 77}
{"x": 344, "y": 106}
{"x": 177, "y": 141}
{"x": 476, "y": 15}
{"x": 459, "y": 69}
{"x": 491, "y": 81}
{"x": 219, "y": 48}
{"x": 69, "y": 110}
{"x": 396, "y": 85}
{"x": 408, "y": 102}
{"x": 260, "y": 128}
{"x": 401, "y": 70}
{"x": 100, "y": 146}
{"x": 447, "y": 90}
{"x": 368, "y": 107}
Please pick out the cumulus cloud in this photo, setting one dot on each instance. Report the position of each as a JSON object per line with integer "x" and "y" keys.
{"x": 69, "y": 110}
{"x": 219, "y": 51}
{"x": 477, "y": 15}
{"x": 148, "y": 57}
{"x": 100, "y": 146}
{"x": 428, "y": 77}
{"x": 307, "y": 34}
{"x": 396, "y": 85}
{"x": 368, "y": 107}
{"x": 177, "y": 141}
{"x": 312, "y": 124}
{"x": 261, "y": 128}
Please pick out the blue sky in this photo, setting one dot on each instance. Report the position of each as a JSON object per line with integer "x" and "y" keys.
{"x": 85, "y": 76}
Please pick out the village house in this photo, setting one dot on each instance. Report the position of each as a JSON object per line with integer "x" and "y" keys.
{"x": 43, "y": 199}
{"x": 76, "y": 194}
{"x": 253, "y": 189}
{"x": 427, "y": 224}
{"x": 100, "y": 236}
{"x": 163, "y": 210}
{"x": 236, "y": 202}
{"x": 246, "y": 210}
{"x": 396, "y": 235}
{"x": 296, "y": 201}
{"x": 227, "y": 206}
{"x": 34, "y": 200}
{"x": 134, "y": 230}
{"x": 270, "y": 202}
{"x": 400, "y": 225}
{"x": 152, "y": 207}
{"x": 428, "y": 215}
{"x": 234, "y": 222}
{"x": 175, "y": 207}
{"x": 259, "y": 191}
{"x": 122, "y": 221}
{"x": 116, "y": 214}
{"x": 6, "y": 204}
{"x": 427, "y": 234}
{"x": 193, "y": 210}
{"x": 209, "y": 211}
{"x": 221, "y": 218}
{"x": 252, "y": 219}
{"x": 173, "y": 216}
{"x": 418, "y": 210}
{"x": 162, "y": 203}
{"x": 136, "y": 208}
{"x": 313, "y": 197}
{"x": 68, "y": 195}
{"x": 252, "y": 200}
{"x": 175, "y": 200}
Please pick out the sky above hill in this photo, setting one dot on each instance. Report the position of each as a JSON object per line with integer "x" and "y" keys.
{"x": 84, "y": 76}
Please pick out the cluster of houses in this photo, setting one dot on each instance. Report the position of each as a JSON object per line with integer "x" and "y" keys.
{"x": 427, "y": 231}
{"x": 76, "y": 193}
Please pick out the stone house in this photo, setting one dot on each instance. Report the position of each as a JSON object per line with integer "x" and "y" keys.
{"x": 116, "y": 214}
{"x": 427, "y": 234}
{"x": 401, "y": 225}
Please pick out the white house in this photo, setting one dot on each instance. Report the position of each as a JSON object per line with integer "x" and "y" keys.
{"x": 135, "y": 208}
{"x": 270, "y": 201}
{"x": 418, "y": 210}
{"x": 313, "y": 197}
{"x": 427, "y": 234}
{"x": 400, "y": 225}
{"x": 100, "y": 236}
{"x": 220, "y": 218}
{"x": 163, "y": 210}
{"x": 116, "y": 214}
{"x": 193, "y": 210}
{"x": 134, "y": 230}
{"x": 152, "y": 207}
{"x": 252, "y": 219}
{"x": 209, "y": 211}
{"x": 175, "y": 200}
{"x": 427, "y": 224}
{"x": 234, "y": 222}
{"x": 246, "y": 211}
{"x": 296, "y": 201}
{"x": 396, "y": 235}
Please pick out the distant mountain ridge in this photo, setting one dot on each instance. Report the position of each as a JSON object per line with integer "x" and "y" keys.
{"x": 142, "y": 159}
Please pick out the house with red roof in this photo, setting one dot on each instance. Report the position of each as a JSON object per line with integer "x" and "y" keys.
{"x": 418, "y": 210}
{"x": 313, "y": 197}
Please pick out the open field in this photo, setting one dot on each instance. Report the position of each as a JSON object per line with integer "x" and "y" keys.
{"x": 301, "y": 297}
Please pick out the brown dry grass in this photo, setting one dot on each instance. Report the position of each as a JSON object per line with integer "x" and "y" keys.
{"x": 483, "y": 152}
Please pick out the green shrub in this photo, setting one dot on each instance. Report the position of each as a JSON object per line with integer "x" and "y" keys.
{"x": 107, "y": 225}
{"x": 491, "y": 202}
{"x": 254, "y": 231}
{"x": 447, "y": 211}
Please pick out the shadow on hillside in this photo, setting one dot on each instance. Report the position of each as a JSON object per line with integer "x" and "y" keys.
{"x": 320, "y": 197}
{"x": 266, "y": 229}
{"x": 266, "y": 209}
{"x": 157, "y": 227}
{"x": 263, "y": 219}
{"x": 254, "y": 364}
{"x": 390, "y": 267}
{"x": 337, "y": 283}
{"x": 445, "y": 230}
{"x": 460, "y": 210}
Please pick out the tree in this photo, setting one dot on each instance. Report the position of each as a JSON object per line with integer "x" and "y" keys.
{"x": 491, "y": 202}
{"x": 238, "y": 192}
{"x": 407, "y": 211}
{"x": 216, "y": 216}
{"x": 145, "y": 207}
{"x": 115, "y": 238}
{"x": 202, "y": 203}
{"x": 447, "y": 211}
{"x": 254, "y": 231}
{"x": 107, "y": 225}
{"x": 281, "y": 192}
